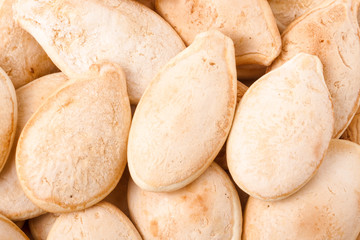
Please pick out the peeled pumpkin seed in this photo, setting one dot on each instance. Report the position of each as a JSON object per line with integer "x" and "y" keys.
{"x": 330, "y": 31}
{"x": 282, "y": 129}
{"x": 76, "y": 35}
{"x": 102, "y": 221}
{"x": 326, "y": 208}
{"x": 208, "y": 208}
{"x": 13, "y": 202}
{"x": 184, "y": 116}
{"x": 72, "y": 152}
{"x": 41, "y": 226}
{"x": 250, "y": 24}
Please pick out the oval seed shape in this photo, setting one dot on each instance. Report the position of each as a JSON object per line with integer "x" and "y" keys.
{"x": 76, "y": 35}
{"x": 281, "y": 130}
{"x": 250, "y": 24}
{"x": 325, "y": 208}
{"x": 185, "y": 115}
{"x": 102, "y": 221}
{"x": 330, "y": 31}
{"x": 8, "y": 116}
{"x": 13, "y": 202}
{"x": 208, "y": 208}
{"x": 72, "y": 151}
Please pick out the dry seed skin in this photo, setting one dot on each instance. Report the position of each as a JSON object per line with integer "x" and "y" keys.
{"x": 9, "y": 230}
{"x": 8, "y": 116}
{"x": 21, "y": 56}
{"x": 13, "y": 202}
{"x": 102, "y": 221}
{"x": 285, "y": 12}
{"x": 250, "y": 24}
{"x": 72, "y": 152}
{"x": 185, "y": 115}
{"x": 330, "y": 31}
{"x": 76, "y": 35}
{"x": 325, "y": 208}
{"x": 281, "y": 130}
{"x": 208, "y": 208}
